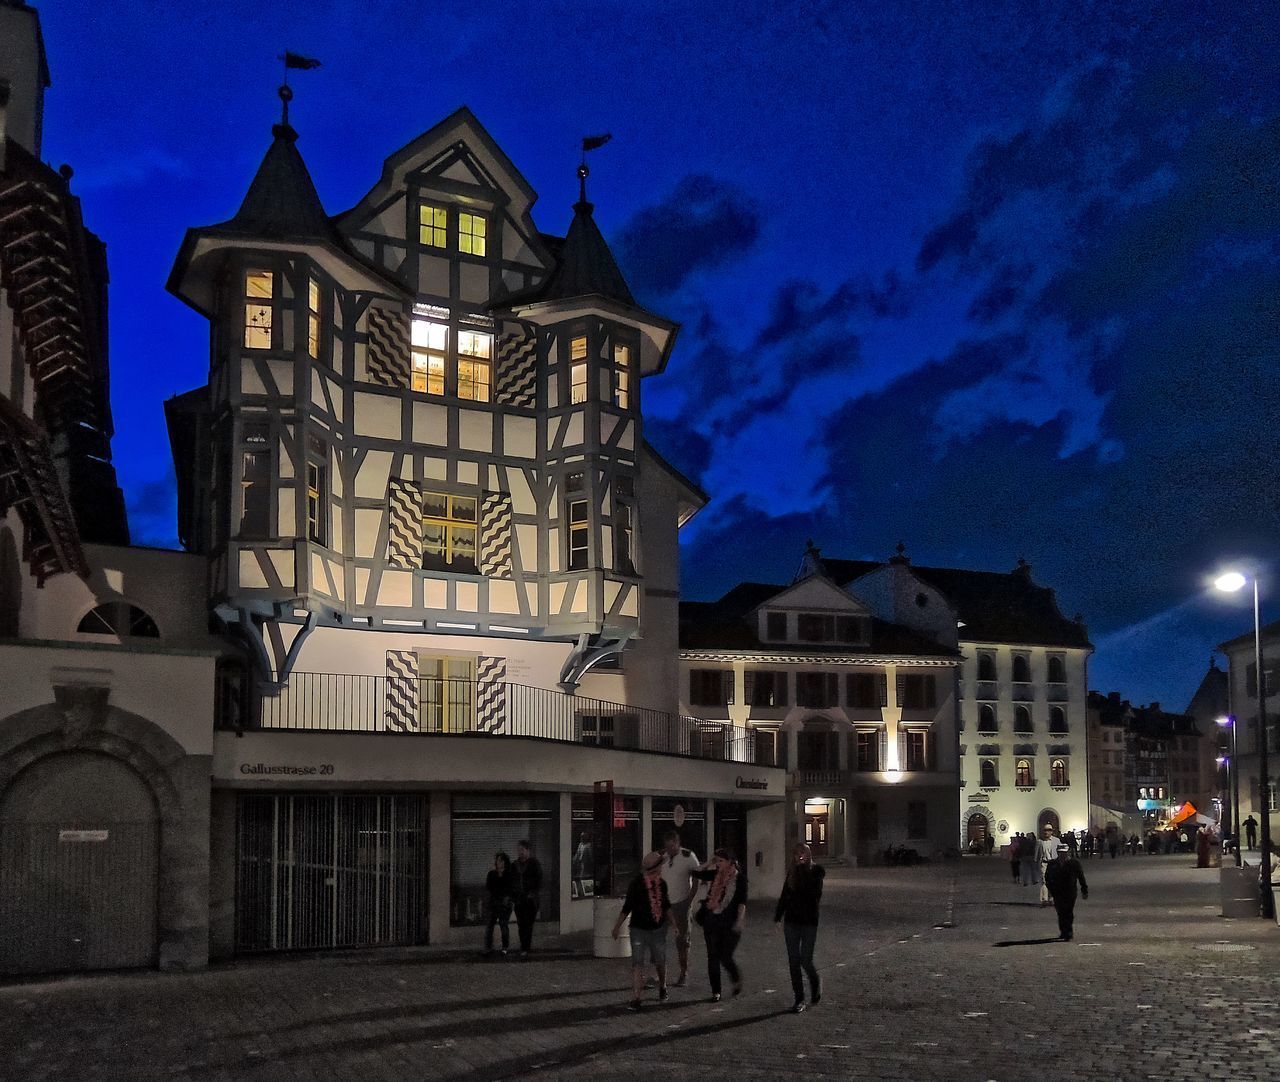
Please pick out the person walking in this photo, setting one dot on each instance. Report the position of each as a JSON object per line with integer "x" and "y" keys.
{"x": 1062, "y": 876}
{"x": 1047, "y": 848}
{"x": 1015, "y": 848}
{"x": 1072, "y": 844}
{"x": 527, "y": 894}
{"x": 797, "y": 913}
{"x": 678, "y": 868}
{"x": 499, "y": 884}
{"x": 648, "y": 905}
{"x": 723, "y": 915}
{"x": 1251, "y": 832}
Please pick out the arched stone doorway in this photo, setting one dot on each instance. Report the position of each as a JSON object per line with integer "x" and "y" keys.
{"x": 979, "y": 826}
{"x": 79, "y": 857}
{"x": 1048, "y": 817}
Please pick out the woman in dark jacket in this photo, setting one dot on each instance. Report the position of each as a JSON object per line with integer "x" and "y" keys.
{"x": 798, "y": 912}
{"x": 722, "y": 916}
{"x": 499, "y": 884}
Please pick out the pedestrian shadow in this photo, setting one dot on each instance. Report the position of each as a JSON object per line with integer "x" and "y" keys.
{"x": 1034, "y": 905}
{"x": 473, "y": 957}
{"x": 1027, "y": 942}
{"x": 418, "y": 1011}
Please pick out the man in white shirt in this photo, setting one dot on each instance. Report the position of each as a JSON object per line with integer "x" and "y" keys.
{"x": 1047, "y": 847}
{"x": 678, "y": 866}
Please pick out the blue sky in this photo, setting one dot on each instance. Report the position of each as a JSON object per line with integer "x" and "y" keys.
{"x": 995, "y": 280}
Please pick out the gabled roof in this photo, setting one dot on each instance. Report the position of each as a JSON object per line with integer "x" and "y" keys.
{"x": 724, "y": 625}
{"x": 1211, "y": 700}
{"x": 282, "y": 202}
{"x": 994, "y": 606}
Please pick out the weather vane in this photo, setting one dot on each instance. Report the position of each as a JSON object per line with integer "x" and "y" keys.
{"x": 589, "y": 142}
{"x": 297, "y": 62}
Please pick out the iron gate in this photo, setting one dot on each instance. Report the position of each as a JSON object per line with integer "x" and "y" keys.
{"x": 330, "y": 870}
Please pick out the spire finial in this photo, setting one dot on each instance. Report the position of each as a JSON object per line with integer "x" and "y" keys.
{"x": 583, "y": 173}
{"x": 589, "y": 142}
{"x": 286, "y": 96}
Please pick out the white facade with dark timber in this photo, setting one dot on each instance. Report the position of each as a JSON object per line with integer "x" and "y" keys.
{"x": 419, "y": 477}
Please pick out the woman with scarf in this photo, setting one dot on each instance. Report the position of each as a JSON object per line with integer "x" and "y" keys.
{"x": 649, "y": 907}
{"x": 798, "y": 913}
{"x": 722, "y": 916}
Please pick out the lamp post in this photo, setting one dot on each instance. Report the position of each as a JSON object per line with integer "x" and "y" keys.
{"x": 1230, "y": 583}
{"x": 1233, "y": 779}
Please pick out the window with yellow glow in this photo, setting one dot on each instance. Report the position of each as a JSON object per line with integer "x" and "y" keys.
{"x": 258, "y": 311}
{"x": 1022, "y": 773}
{"x": 428, "y": 344}
{"x": 317, "y": 491}
{"x": 449, "y": 532}
{"x": 1058, "y": 773}
{"x": 622, "y": 377}
{"x": 471, "y": 234}
{"x": 313, "y": 318}
{"x": 578, "y": 369}
{"x": 433, "y": 226}
{"x": 475, "y": 351}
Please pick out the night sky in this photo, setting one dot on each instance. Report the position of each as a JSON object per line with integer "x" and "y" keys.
{"x": 1000, "y": 282}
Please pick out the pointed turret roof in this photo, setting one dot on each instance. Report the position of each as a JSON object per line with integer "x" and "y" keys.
{"x": 586, "y": 267}
{"x": 282, "y": 202}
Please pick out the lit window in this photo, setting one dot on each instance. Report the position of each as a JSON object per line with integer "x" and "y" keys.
{"x": 578, "y": 369}
{"x": 622, "y": 537}
{"x": 431, "y": 226}
{"x": 446, "y": 693}
{"x": 317, "y": 491}
{"x": 429, "y": 341}
{"x": 449, "y": 532}
{"x": 1058, "y": 773}
{"x": 258, "y": 312}
{"x": 471, "y": 234}
{"x": 622, "y": 377}
{"x": 1022, "y": 772}
{"x": 578, "y": 534}
{"x": 475, "y": 348}
{"x": 313, "y": 318}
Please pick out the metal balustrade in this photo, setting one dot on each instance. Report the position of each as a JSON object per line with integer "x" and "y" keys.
{"x": 351, "y": 703}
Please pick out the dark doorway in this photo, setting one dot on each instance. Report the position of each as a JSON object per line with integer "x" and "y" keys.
{"x": 1048, "y": 817}
{"x": 731, "y": 829}
{"x": 979, "y": 828}
{"x": 79, "y": 859}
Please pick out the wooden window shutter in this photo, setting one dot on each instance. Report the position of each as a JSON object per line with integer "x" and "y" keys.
{"x": 780, "y": 689}
{"x": 749, "y": 688}
{"x": 930, "y": 691}
{"x": 902, "y": 690}
{"x": 726, "y": 677}
{"x": 883, "y": 680}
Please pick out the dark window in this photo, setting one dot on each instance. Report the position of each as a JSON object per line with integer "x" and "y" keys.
{"x": 867, "y": 690}
{"x": 816, "y": 690}
{"x": 255, "y": 482}
{"x": 622, "y": 539}
{"x": 598, "y": 729}
{"x": 775, "y": 626}
{"x": 1057, "y": 670}
{"x": 1057, "y": 720}
{"x": 118, "y": 618}
{"x": 1021, "y": 720}
{"x": 811, "y": 627}
{"x": 917, "y": 819}
{"x": 917, "y": 741}
{"x": 768, "y": 747}
{"x": 917, "y": 692}
{"x": 1021, "y": 669}
{"x": 825, "y": 627}
{"x": 868, "y": 750}
{"x": 766, "y": 688}
{"x": 989, "y": 777}
{"x": 986, "y": 667}
{"x": 818, "y": 750}
{"x": 868, "y": 821}
{"x": 710, "y": 687}
{"x": 987, "y": 718}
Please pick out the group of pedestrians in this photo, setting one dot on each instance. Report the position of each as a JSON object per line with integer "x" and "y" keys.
{"x": 513, "y": 888}
{"x": 662, "y": 898}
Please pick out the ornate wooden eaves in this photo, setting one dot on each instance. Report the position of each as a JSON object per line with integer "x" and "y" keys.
{"x": 29, "y": 482}
{"x": 44, "y": 269}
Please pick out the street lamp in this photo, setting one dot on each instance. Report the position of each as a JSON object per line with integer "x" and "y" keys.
{"x": 1230, "y": 582}
{"x": 1233, "y": 771}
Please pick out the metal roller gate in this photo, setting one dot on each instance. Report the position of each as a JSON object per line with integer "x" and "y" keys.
{"x": 330, "y": 870}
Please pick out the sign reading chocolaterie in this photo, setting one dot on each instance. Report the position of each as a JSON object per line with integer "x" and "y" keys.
{"x": 750, "y": 783}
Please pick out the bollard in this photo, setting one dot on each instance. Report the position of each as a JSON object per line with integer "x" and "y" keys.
{"x": 604, "y": 913}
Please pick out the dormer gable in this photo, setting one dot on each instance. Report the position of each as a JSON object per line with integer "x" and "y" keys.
{"x": 896, "y": 594}
{"x": 813, "y": 611}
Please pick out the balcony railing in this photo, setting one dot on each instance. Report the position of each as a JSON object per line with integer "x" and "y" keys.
{"x": 822, "y": 778}
{"x": 347, "y": 703}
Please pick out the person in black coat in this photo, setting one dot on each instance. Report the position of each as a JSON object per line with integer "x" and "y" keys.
{"x": 797, "y": 911}
{"x": 722, "y": 916}
{"x": 527, "y": 895}
{"x": 499, "y": 884}
{"x": 1061, "y": 878}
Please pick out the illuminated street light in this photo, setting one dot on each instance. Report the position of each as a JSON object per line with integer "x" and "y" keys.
{"x": 1229, "y": 582}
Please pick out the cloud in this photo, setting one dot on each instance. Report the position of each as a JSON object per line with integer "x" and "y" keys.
{"x": 129, "y": 171}
{"x": 703, "y": 224}
{"x": 152, "y": 507}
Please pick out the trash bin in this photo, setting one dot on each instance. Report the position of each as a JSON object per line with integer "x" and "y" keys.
{"x": 605, "y": 912}
{"x": 1239, "y": 890}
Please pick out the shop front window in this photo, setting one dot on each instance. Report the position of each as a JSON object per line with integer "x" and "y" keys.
{"x": 486, "y": 823}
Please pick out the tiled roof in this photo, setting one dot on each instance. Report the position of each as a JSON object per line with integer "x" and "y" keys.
{"x": 994, "y": 606}
{"x": 584, "y": 266}
{"x": 723, "y": 625}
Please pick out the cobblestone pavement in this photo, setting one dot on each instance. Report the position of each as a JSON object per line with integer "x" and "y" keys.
{"x": 1156, "y": 985}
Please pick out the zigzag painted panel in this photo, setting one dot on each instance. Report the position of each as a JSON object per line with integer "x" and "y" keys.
{"x": 491, "y": 677}
{"x": 402, "y": 691}
{"x": 495, "y": 535}
{"x": 517, "y": 378}
{"x": 404, "y": 529}
{"x": 387, "y": 356}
